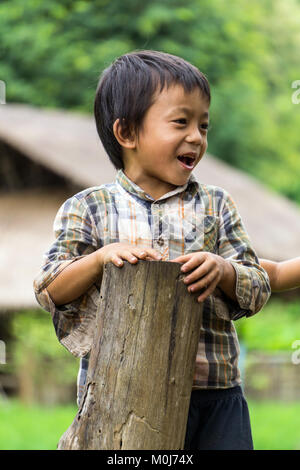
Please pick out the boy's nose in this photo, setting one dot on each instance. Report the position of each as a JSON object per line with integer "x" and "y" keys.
{"x": 195, "y": 136}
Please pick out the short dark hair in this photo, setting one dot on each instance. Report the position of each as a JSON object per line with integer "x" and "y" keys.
{"x": 126, "y": 89}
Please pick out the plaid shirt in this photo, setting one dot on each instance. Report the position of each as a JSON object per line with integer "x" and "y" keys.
{"x": 193, "y": 217}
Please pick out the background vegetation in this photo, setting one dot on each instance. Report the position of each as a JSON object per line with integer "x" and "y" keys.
{"x": 272, "y": 330}
{"x": 52, "y": 52}
{"x": 46, "y": 371}
{"x": 275, "y": 426}
{"x": 51, "y": 55}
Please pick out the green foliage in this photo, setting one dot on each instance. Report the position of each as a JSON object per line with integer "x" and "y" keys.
{"x": 37, "y": 350}
{"x": 52, "y": 53}
{"x": 275, "y": 425}
{"x": 33, "y": 427}
{"x": 273, "y": 329}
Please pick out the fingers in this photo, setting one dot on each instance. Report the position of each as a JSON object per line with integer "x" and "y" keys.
{"x": 191, "y": 260}
{"x": 153, "y": 254}
{"x": 207, "y": 292}
{"x": 194, "y": 261}
{"x": 206, "y": 283}
{"x": 196, "y": 283}
{"x": 204, "y": 273}
{"x": 121, "y": 256}
{"x": 133, "y": 254}
{"x": 200, "y": 269}
{"x": 182, "y": 259}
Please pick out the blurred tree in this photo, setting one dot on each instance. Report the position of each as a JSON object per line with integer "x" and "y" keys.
{"x": 52, "y": 53}
{"x": 46, "y": 371}
{"x": 273, "y": 330}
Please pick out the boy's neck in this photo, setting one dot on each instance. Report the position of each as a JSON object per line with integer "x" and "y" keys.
{"x": 154, "y": 188}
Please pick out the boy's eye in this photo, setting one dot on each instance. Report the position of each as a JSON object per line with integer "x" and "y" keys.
{"x": 205, "y": 126}
{"x": 183, "y": 121}
{"x": 180, "y": 121}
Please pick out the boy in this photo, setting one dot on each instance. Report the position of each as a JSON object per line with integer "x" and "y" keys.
{"x": 284, "y": 275}
{"x": 151, "y": 112}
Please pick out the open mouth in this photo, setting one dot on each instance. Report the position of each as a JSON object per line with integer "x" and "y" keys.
{"x": 187, "y": 161}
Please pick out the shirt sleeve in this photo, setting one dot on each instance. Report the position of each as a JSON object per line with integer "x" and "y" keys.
{"x": 252, "y": 282}
{"x": 75, "y": 237}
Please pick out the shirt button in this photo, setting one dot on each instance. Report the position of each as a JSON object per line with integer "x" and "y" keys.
{"x": 160, "y": 242}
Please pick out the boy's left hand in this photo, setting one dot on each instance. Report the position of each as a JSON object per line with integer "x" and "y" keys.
{"x": 207, "y": 271}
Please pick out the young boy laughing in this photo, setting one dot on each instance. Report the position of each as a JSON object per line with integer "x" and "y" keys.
{"x": 152, "y": 116}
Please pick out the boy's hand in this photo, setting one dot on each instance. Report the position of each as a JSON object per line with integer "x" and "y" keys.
{"x": 78, "y": 277}
{"x": 206, "y": 271}
{"x": 117, "y": 252}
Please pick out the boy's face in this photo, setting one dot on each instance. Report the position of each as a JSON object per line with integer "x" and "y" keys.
{"x": 171, "y": 141}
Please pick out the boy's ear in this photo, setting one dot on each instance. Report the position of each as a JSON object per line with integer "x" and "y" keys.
{"x": 126, "y": 137}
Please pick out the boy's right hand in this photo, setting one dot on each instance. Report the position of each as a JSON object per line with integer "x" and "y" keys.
{"x": 117, "y": 252}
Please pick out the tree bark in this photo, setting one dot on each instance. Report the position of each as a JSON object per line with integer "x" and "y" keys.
{"x": 142, "y": 361}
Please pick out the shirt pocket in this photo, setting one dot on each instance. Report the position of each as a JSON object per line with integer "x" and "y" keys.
{"x": 201, "y": 234}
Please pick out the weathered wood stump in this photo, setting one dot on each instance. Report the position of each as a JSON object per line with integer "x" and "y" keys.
{"x": 142, "y": 361}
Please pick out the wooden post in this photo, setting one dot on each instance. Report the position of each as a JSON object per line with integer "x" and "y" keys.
{"x": 142, "y": 361}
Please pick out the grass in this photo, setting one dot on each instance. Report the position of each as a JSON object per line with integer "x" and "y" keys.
{"x": 33, "y": 427}
{"x": 275, "y": 426}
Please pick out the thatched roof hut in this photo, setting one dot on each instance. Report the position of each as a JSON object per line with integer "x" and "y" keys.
{"x": 62, "y": 151}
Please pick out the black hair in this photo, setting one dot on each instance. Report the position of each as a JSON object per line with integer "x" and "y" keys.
{"x": 127, "y": 87}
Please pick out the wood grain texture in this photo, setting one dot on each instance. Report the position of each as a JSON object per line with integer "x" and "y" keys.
{"x": 142, "y": 361}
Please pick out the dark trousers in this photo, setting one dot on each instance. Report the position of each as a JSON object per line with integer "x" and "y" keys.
{"x": 218, "y": 420}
